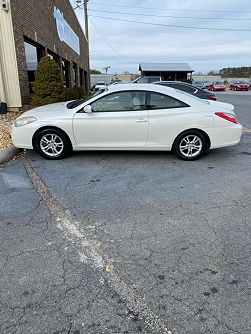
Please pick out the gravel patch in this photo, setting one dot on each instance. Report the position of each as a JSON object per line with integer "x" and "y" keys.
{"x": 6, "y": 121}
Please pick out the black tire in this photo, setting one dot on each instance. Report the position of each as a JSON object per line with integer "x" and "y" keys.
{"x": 197, "y": 145}
{"x": 60, "y": 145}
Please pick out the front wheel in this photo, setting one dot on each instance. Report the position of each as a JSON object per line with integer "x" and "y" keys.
{"x": 52, "y": 144}
{"x": 190, "y": 145}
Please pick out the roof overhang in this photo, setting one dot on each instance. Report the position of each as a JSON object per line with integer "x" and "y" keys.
{"x": 165, "y": 67}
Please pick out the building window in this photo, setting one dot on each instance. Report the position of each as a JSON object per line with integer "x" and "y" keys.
{"x": 81, "y": 77}
{"x": 74, "y": 75}
{"x": 65, "y": 70}
{"x": 54, "y": 56}
{"x": 33, "y": 54}
{"x": 86, "y": 81}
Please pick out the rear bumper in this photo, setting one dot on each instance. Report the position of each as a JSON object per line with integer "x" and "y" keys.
{"x": 225, "y": 136}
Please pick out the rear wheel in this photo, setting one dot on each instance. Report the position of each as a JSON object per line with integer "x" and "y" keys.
{"x": 52, "y": 144}
{"x": 190, "y": 145}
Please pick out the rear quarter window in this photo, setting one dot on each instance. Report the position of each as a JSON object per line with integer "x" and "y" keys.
{"x": 161, "y": 101}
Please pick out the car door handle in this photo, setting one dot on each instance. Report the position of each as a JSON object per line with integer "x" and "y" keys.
{"x": 141, "y": 120}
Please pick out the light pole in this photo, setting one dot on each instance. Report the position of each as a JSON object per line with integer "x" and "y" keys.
{"x": 84, "y": 4}
{"x": 106, "y": 69}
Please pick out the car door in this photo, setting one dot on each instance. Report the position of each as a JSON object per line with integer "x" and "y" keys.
{"x": 167, "y": 118}
{"x": 118, "y": 120}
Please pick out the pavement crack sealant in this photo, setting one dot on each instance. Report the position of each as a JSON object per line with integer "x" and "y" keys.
{"x": 91, "y": 254}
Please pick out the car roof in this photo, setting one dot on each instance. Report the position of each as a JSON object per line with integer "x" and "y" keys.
{"x": 134, "y": 86}
{"x": 175, "y": 93}
{"x": 175, "y": 82}
{"x": 178, "y": 94}
{"x": 179, "y": 82}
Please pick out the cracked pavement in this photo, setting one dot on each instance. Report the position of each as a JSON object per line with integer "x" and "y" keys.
{"x": 176, "y": 234}
{"x": 43, "y": 286}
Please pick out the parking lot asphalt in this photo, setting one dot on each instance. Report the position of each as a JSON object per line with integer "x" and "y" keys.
{"x": 44, "y": 285}
{"x": 127, "y": 242}
{"x": 242, "y": 103}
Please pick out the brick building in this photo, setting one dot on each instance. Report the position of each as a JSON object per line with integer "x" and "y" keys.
{"x": 30, "y": 29}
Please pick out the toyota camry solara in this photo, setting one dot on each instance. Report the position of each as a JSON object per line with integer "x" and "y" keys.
{"x": 129, "y": 117}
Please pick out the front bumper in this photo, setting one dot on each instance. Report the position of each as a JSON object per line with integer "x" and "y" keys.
{"x": 22, "y": 136}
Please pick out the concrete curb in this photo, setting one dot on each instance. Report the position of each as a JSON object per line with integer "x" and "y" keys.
{"x": 245, "y": 130}
{"x": 8, "y": 153}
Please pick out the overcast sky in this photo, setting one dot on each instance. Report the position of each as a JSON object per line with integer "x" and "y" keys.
{"x": 123, "y": 45}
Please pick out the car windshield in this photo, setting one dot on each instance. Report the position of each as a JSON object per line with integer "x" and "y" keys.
{"x": 76, "y": 103}
{"x": 240, "y": 82}
{"x": 218, "y": 83}
{"x": 100, "y": 83}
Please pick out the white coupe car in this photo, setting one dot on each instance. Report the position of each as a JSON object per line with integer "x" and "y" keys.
{"x": 129, "y": 117}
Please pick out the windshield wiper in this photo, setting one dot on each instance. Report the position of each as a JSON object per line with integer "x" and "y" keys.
{"x": 74, "y": 104}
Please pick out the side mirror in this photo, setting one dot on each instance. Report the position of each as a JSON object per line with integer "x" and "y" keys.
{"x": 88, "y": 109}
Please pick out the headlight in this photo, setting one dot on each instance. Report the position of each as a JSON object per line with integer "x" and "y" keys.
{"x": 24, "y": 121}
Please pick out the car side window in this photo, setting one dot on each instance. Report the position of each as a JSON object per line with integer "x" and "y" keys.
{"x": 161, "y": 101}
{"x": 120, "y": 101}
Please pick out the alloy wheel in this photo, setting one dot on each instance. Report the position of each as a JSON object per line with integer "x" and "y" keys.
{"x": 191, "y": 146}
{"x": 51, "y": 144}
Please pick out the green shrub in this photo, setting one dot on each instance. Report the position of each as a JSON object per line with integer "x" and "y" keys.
{"x": 73, "y": 93}
{"x": 48, "y": 85}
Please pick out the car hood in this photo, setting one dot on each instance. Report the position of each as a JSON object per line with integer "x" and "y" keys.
{"x": 49, "y": 108}
{"x": 221, "y": 105}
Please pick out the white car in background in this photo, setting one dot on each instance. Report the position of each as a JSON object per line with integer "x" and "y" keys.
{"x": 129, "y": 117}
{"x": 100, "y": 85}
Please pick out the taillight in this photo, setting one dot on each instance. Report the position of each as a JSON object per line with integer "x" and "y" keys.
{"x": 212, "y": 97}
{"x": 227, "y": 117}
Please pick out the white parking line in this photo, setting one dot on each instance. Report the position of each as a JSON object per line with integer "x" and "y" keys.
{"x": 91, "y": 254}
